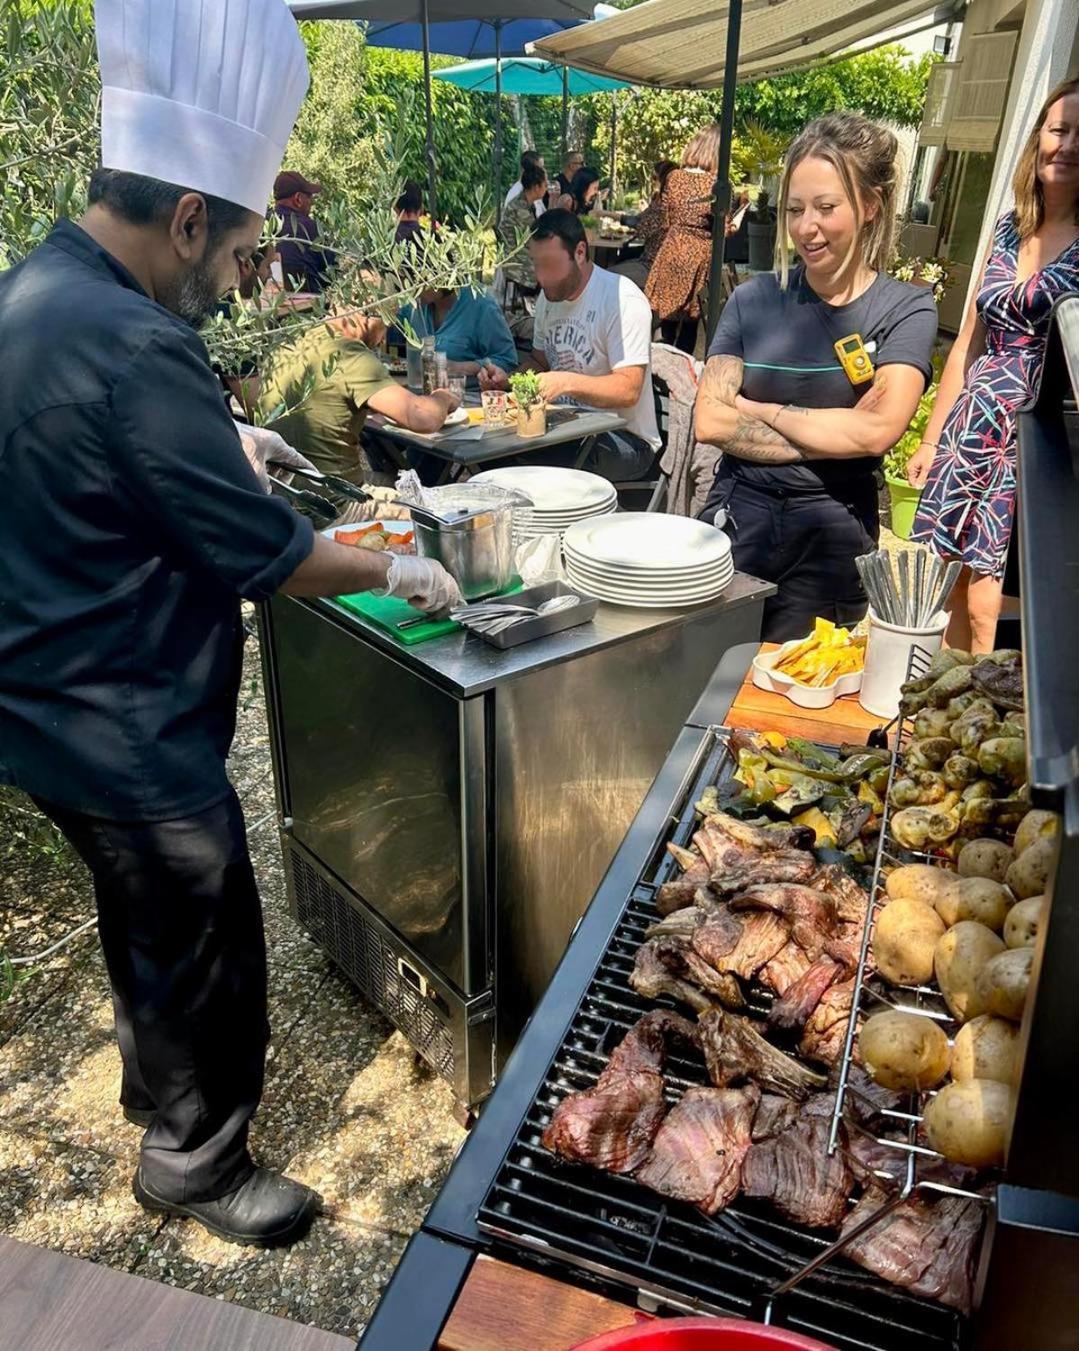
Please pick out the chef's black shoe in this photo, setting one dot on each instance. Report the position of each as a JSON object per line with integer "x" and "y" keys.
{"x": 139, "y": 1116}
{"x": 266, "y": 1211}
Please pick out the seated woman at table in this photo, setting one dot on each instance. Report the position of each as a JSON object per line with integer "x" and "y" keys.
{"x": 651, "y": 228}
{"x": 468, "y": 326}
{"x": 801, "y": 441}
{"x": 409, "y": 207}
{"x": 319, "y": 389}
{"x": 584, "y": 193}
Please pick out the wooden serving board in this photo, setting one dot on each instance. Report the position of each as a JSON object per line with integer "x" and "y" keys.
{"x": 761, "y": 711}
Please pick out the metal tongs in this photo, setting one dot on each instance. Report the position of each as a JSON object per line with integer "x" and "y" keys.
{"x": 339, "y": 485}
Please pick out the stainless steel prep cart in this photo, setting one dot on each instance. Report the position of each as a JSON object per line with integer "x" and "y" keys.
{"x": 449, "y": 809}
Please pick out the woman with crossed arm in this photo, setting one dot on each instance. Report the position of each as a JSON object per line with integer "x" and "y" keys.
{"x": 801, "y": 442}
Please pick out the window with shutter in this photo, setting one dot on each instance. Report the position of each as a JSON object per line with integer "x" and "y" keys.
{"x": 982, "y": 92}
{"x": 939, "y": 97}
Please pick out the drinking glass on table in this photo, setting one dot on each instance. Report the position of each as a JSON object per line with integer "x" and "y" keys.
{"x": 456, "y": 386}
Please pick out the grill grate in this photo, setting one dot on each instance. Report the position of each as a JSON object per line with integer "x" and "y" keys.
{"x": 618, "y": 1230}
{"x": 359, "y": 949}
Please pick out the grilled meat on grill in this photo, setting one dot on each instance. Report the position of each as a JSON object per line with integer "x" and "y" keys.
{"x": 652, "y": 979}
{"x": 677, "y": 955}
{"x": 734, "y": 1052}
{"x": 679, "y": 892}
{"x": 698, "y": 1152}
{"x": 851, "y": 900}
{"x": 826, "y": 1027}
{"x": 738, "y": 854}
{"x": 810, "y": 914}
{"x": 739, "y": 944}
{"x": 790, "y": 1165}
{"x": 612, "y": 1125}
{"x": 792, "y": 1011}
{"x": 930, "y": 1248}
{"x": 788, "y": 965}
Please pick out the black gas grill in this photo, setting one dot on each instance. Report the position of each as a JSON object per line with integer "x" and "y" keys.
{"x": 617, "y": 1230}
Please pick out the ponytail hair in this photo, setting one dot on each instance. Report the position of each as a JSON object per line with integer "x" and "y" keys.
{"x": 863, "y": 154}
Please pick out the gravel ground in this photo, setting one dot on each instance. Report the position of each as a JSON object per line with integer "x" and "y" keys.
{"x": 347, "y": 1108}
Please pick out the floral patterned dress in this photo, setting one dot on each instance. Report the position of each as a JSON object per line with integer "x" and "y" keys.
{"x": 680, "y": 271}
{"x": 968, "y": 503}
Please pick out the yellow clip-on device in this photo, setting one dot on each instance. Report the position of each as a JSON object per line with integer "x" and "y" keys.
{"x": 854, "y": 359}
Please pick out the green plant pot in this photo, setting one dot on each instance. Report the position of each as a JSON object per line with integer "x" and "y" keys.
{"x": 905, "y": 501}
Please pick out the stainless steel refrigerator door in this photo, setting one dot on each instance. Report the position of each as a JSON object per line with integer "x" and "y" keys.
{"x": 386, "y": 785}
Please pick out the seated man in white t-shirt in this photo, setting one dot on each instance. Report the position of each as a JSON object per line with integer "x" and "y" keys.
{"x": 592, "y": 347}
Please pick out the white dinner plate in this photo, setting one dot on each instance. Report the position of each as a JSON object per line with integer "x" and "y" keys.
{"x": 560, "y": 491}
{"x": 631, "y": 572}
{"x": 652, "y": 589}
{"x": 640, "y": 602}
{"x": 646, "y": 540}
{"x": 623, "y": 583}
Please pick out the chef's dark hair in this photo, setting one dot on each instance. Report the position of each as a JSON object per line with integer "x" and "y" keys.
{"x": 563, "y": 225}
{"x": 148, "y": 201}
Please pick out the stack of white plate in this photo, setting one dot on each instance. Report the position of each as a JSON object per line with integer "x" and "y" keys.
{"x": 560, "y": 497}
{"x": 648, "y": 561}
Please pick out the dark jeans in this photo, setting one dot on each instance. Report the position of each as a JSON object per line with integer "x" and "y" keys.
{"x": 804, "y": 542}
{"x": 680, "y": 333}
{"x": 618, "y": 456}
{"x": 181, "y": 929}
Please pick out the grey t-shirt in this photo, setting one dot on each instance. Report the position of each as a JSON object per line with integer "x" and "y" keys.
{"x": 786, "y": 340}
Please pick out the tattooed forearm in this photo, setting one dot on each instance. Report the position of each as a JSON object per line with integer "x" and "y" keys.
{"x": 721, "y": 424}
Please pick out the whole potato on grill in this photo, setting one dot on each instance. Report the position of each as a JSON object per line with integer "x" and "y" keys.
{"x": 904, "y": 1051}
{"x": 1003, "y": 983}
{"x": 1029, "y": 874}
{"x": 958, "y": 960}
{"x": 904, "y": 938}
{"x": 968, "y": 1122}
{"x": 919, "y": 882}
{"x": 985, "y": 1049}
{"x": 1033, "y": 827}
{"x": 985, "y": 858}
{"x": 1024, "y": 920}
{"x": 977, "y": 898}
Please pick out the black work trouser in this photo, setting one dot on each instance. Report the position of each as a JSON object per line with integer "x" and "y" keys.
{"x": 181, "y": 929}
{"x": 804, "y": 542}
{"x": 680, "y": 333}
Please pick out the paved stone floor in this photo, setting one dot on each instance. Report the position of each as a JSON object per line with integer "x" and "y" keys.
{"x": 347, "y": 1109}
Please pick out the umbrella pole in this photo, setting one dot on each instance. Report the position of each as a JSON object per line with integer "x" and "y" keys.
{"x": 614, "y": 150}
{"x": 498, "y": 122}
{"x": 565, "y": 113}
{"x": 429, "y": 144}
{"x": 723, "y": 169}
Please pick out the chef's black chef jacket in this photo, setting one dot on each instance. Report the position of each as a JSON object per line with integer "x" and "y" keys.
{"x": 131, "y": 525}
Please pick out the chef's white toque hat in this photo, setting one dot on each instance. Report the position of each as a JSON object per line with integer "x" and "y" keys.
{"x": 200, "y": 93}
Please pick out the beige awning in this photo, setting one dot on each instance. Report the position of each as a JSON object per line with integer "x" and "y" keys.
{"x": 681, "y": 44}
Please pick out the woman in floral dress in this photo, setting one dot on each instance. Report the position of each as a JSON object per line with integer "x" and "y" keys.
{"x": 967, "y": 462}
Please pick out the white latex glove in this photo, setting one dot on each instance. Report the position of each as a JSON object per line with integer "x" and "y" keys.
{"x": 260, "y": 445}
{"x": 422, "y": 582}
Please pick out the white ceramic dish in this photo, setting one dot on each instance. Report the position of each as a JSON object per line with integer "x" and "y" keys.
{"x": 647, "y": 585}
{"x": 571, "y": 493}
{"x": 638, "y": 541}
{"x": 765, "y": 677}
{"x": 623, "y": 593}
{"x": 625, "y": 571}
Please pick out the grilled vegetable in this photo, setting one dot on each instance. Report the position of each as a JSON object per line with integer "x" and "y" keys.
{"x": 919, "y": 828}
{"x": 1005, "y": 758}
{"x": 1000, "y": 681}
{"x": 919, "y": 788}
{"x": 960, "y": 771}
{"x": 929, "y": 752}
{"x": 952, "y": 682}
{"x": 932, "y": 722}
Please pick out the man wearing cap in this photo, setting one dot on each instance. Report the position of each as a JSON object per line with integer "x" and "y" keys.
{"x": 306, "y": 266}
{"x": 132, "y": 526}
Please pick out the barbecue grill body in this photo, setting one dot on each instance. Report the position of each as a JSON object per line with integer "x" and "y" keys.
{"x": 448, "y": 810}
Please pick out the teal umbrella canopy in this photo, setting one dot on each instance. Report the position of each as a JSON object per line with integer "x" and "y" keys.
{"x": 525, "y": 75}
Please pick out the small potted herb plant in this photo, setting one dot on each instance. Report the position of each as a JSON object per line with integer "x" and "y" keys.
{"x": 531, "y": 408}
{"x": 903, "y": 497}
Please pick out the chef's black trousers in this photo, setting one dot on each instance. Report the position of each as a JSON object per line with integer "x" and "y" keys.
{"x": 181, "y": 929}
{"x": 804, "y": 542}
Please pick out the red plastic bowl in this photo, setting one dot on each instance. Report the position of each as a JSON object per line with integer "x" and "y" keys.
{"x": 701, "y": 1334}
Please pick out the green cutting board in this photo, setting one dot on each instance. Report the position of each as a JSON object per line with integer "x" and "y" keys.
{"x": 386, "y": 612}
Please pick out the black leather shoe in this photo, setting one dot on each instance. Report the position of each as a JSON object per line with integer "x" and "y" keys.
{"x": 266, "y": 1211}
{"x": 140, "y": 1117}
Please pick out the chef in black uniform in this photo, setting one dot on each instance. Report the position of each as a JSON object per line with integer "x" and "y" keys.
{"x": 132, "y": 526}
